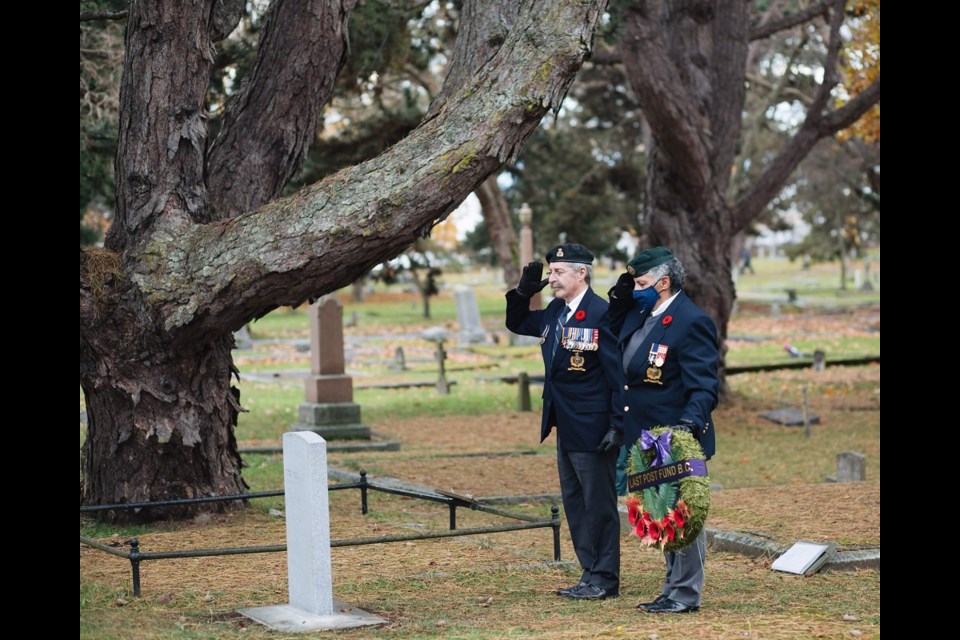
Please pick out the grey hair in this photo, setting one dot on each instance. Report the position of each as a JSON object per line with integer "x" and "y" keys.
{"x": 577, "y": 265}
{"x": 674, "y": 270}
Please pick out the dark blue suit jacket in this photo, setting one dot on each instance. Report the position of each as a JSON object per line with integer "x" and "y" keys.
{"x": 582, "y": 404}
{"x": 687, "y": 387}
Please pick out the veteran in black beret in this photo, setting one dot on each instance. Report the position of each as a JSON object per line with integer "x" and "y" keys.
{"x": 668, "y": 353}
{"x": 581, "y": 399}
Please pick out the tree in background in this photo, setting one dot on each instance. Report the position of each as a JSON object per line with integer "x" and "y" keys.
{"x": 200, "y": 244}
{"x": 690, "y": 64}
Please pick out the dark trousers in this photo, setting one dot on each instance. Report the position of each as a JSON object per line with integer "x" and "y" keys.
{"x": 588, "y": 487}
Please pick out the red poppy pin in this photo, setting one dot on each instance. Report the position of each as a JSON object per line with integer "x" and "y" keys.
{"x": 667, "y": 320}
{"x": 580, "y": 315}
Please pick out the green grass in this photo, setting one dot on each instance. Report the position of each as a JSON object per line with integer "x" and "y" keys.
{"x": 272, "y": 408}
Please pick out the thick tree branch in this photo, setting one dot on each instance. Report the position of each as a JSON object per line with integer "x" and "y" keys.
{"x": 666, "y": 102}
{"x": 484, "y": 26}
{"x": 202, "y": 279}
{"x": 767, "y": 29}
{"x": 763, "y": 190}
{"x": 269, "y": 125}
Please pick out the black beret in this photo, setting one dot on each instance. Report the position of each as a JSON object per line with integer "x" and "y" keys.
{"x": 648, "y": 259}
{"x": 570, "y": 252}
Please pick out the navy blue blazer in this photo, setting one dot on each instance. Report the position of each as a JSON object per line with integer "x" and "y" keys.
{"x": 583, "y": 405}
{"x": 686, "y": 386}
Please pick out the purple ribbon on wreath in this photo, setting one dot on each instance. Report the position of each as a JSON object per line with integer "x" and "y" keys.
{"x": 660, "y": 445}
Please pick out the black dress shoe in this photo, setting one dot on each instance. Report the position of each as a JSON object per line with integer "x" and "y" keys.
{"x": 670, "y": 606}
{"x": 660, "y": 598}
{"x": 566, "y": 591}
{"x": 591, "y": 592}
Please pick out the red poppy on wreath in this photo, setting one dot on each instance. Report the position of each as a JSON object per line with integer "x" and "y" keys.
{"x": 580, "y": 315}
{"x": 667, "y": 320}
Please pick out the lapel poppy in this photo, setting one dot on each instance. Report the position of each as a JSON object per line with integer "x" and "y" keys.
{"x": 580, "y": 315}
{"x": 667, "y": 320}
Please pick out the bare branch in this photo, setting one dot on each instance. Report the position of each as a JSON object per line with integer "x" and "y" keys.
{"x": 848, "y": 114}
{"x": 830, "y": 72}
{"x": 752, "y": 202}
{"x": 767, "y": 29}
{"x": 103, "y": 15}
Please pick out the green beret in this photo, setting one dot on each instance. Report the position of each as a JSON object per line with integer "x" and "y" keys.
{"x": 571, "y": 252}
{"x": 647, "y": 260}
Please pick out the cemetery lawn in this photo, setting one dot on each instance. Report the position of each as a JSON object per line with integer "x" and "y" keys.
{"x": 475, "y": 442}
{"x": 501, "y": 585}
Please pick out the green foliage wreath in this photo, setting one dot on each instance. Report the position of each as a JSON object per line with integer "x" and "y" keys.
{"x": 671, "y": 514}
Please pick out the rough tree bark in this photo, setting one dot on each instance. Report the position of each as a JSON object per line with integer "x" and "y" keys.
{"x": 181, "y": 270}
{"x": 687, "y": 62}
{"x": 483, "y": 29}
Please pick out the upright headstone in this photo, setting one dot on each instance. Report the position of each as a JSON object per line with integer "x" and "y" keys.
{"x": 309, "y": 571}
{"x": 468, "y": 315}
{"x": 851, "y": 467}
{"x": 329, "y": 409}
{"x": 309, "y": 574}
{"x": 819, "y": 360}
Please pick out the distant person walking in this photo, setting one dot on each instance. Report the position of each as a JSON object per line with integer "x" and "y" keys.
{"x": 745, "y": 262}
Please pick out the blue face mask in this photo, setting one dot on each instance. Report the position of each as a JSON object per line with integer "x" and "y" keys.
{"x": 646, "y": 298}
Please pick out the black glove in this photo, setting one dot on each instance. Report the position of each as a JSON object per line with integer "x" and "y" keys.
{"x": 623, "y": 290}
{"x": 612, "y": 439}
{"x": 530, "y": 282}
{"x": 686, "y": 425}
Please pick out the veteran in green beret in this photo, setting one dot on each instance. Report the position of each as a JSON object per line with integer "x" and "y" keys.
{"x": 581, "y": 400}
{"x": 668, "y": 353}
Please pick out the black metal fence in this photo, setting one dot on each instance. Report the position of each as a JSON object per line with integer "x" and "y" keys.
{"x": 135, "y": 556}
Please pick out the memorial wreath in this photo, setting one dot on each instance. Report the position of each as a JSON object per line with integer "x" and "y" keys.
{"x": 669, "y": 490}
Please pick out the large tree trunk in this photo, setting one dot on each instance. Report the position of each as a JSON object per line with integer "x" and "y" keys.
{"x": 181, "y": 271}
{"x": 170, "y": 437}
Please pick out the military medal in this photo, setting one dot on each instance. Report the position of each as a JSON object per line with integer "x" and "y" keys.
{"x": 543, "y": 336}
{"x": 656, "y": 358}
{"x": 658, "y": 354}
{"x": 581, "y": 339}
{"x": 576, "y": 362}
